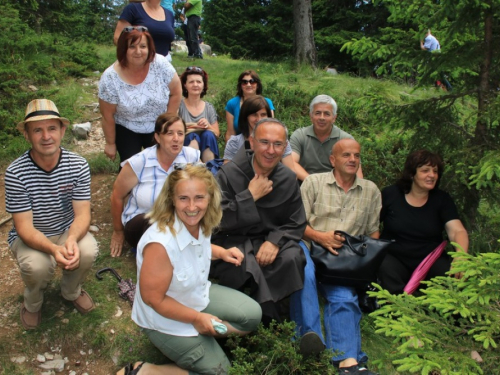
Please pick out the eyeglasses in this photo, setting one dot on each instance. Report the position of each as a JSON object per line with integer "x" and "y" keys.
{"x": 195, "y": 68}
{"x": 248, "y": 81}
{"x": 129, "y": 29}
{"x": 182, "y": 166}
{"x": 264, "y": 144}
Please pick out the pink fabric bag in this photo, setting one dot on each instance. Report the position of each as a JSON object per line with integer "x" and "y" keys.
{"x": 423, "y": 268}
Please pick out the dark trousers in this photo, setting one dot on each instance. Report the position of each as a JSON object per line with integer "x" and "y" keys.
{"x": 193, "y": 26}
{"x": 129, "y": 143}
{"x": 394, "y": 274}
{"x": 135, "y": 228}
{"x": 186, "y": 38}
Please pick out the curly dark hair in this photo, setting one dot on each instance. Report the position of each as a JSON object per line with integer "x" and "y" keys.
{"x": 415, "y": 160}
{"x": 191, "y": 70}
{"x": 255, "y": 76}
{"x": 250, "y": 106}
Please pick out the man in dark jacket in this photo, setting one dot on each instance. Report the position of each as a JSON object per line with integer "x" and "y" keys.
{"x": 264, "y": 217}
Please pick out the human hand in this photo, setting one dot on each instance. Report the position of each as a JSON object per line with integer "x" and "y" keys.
{"x": 116, "y": 245}
{"x": 110, "y": 151}
{"x": 267, "y": 253}
{"x": 203, "y": 123}
{"x": 330, "y": 241}
{"x": 260, "y": 186}
{"x": 66, "y": 259}
{"x": 233, "y": 255}
{"x": 203, "y": 324}
{"x": 72, "y": 254}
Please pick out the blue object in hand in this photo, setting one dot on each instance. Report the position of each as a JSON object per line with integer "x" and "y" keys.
{"x": 219, "y": 327}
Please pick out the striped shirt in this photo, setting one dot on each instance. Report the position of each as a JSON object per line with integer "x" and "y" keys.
{"x": 328, "y": 207}
{"x": 48, "y": 195}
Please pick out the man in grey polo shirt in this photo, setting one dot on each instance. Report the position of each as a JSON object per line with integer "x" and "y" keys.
{"x": 312, "y": 145}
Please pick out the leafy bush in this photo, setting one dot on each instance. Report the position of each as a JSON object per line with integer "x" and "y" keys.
{"x": 274, "y": 351}
{"x": 438, "y": 330}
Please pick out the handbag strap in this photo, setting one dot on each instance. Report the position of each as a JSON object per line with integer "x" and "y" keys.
{"x": 348, "y": 237}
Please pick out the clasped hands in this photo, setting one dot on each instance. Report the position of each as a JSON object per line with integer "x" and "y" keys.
{"x": 67, "y": 256}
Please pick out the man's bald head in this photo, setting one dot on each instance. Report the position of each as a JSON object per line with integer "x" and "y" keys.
{"x": 345, "y": 158}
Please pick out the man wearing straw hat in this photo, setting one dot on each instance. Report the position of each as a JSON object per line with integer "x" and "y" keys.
{"x": 47, "y": 191}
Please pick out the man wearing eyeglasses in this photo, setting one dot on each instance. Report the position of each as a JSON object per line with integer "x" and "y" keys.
{"x": 264, "y": 217}
{"x": 311, "y": 145}
{"x": 193, "y": 15}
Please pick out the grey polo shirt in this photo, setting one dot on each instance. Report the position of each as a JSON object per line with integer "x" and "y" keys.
{"x": 315, "y": 155}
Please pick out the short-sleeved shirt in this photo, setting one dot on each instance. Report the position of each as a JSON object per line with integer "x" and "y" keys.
{"x": 208, "y": 112}
{"x": 195, "y": 9}
{"x": 138, "y": 106}
{"x": 238, "y": 141}
{"x": 167, "y": 4}
{"x": 151, "y": 178}
{"x": 49, "y": 195}
{"x": 163, "y": 32}
{"x": 315, "y": 155}
{"x": 431, "y": 43}
{"x": 417, "y": 230}
{"x": 190, "y": 259}
{"x": 233, "y": 107}
{"x": 328, "y": 207}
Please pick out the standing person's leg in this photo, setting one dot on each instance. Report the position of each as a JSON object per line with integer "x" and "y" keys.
{"x": 147, "y": 140}
{"x": 342, "y": 317}
{"x": 186, "y": 38}
{"x": 71, "y": 281}
{"x": 193, "y": 25}
{"x": 127, "y": 142}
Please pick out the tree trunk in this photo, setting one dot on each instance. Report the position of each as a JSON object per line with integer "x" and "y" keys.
{"x": 305, "y": 49}
{"x": 481, "y": 131}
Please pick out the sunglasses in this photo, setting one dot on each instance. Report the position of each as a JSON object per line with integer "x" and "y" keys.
{"x": 194, "y": 68}
{"x": 129, "y": 29}
{"x": 182, "y": 166}
{"x": 248, "y": 81}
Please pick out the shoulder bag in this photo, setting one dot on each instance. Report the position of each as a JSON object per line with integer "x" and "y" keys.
{"x": 356, "y": 264}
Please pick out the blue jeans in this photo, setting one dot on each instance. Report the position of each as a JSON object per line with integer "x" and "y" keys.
{"x": 342, "y": 314}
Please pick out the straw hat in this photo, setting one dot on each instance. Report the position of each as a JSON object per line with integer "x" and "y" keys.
{"x": 41, "y": 109}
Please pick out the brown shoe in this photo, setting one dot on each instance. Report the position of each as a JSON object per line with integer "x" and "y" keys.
{"x": 30, "y": 320}
{"x": 84, "y": 303}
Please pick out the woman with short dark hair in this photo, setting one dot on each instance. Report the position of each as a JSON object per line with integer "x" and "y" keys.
{"x": 200, "y": 116}
{"x": 415, "y": 213}
{"x": 142, "y": 177}
{"x": 249, "y": 84}
{"x": 133, "y": 92}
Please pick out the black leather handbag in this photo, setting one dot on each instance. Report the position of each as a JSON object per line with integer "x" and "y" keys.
{"x": 356, "y": 264}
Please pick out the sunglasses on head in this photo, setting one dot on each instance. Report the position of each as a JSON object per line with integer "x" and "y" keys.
{"x": 194, "y": 68}
{"x": 248, "y": 81}
{"x": 182, "y": 166}
{"x": 128, "y": 29}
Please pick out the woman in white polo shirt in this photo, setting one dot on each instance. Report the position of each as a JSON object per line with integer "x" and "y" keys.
{"x": 142, "y": 177}
{"x": 177, "y": 307}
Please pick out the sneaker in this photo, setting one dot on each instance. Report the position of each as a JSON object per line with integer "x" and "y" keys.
{"x": 30, "y": 320}
{"x": 356, "y": 370}
{"x": 311, "y": 344}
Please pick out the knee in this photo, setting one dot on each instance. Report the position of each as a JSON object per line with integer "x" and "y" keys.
{"x": 88, "y": 250}
{"x": 252, "y": 316}
{"x": 37, "y": 269}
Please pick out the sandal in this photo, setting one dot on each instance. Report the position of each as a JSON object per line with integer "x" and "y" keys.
{"x": 130, "y": 370}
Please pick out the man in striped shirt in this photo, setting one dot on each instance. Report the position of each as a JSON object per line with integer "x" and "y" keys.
{"x": 47, "y": 191}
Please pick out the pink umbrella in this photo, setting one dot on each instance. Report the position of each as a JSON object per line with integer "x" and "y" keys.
{"x": 421, "y": 271}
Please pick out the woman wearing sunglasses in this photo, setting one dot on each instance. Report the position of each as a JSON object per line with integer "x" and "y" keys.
{"x": 133, "y": 92}
{"x": 252, "y": 111}
{"x": 142, "y": 177}
{"x": 158, "y": 20}
{"x": 175, "y": 304}
{"x": 248, "y": 85}
{"x": 199, "y": 115}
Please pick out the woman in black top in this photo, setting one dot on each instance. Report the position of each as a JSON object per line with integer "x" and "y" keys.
{"x": 414, "y": 213}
